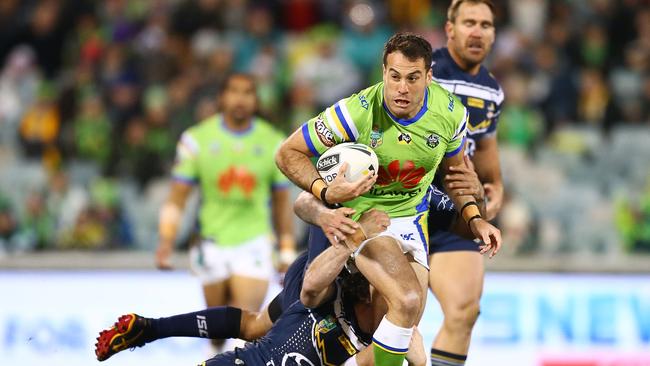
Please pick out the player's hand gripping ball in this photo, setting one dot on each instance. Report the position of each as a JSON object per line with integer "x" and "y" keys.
{"x": 361, "y": 161}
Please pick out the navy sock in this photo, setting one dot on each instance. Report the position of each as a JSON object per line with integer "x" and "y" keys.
{"x": 442, "y": 358}
{"x": 219, "y": 322}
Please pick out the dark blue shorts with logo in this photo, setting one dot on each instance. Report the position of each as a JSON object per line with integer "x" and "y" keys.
{"x": 442, "y": 213}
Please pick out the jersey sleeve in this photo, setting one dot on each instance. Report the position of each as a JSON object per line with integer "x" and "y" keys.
{"x": 335, "y": 125}
{"x": 457, "y": 140}
{"x": 185, "y": 167}
{"x": 496, "y": 113}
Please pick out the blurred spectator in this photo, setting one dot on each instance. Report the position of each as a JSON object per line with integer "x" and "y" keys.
{"x": 553, "y": 87}
{"x": 65, "y": 201}
{"x": 37, "y": 224}
{"x": 19, "y": 82}
{"x": 40, "y": 125}
{"x": 8, "y": 227}
{"x": 363, "y": 41}
{"x": 107, "y": 86}
{"x": 101, "y": 224}
{"x": 92, "y": 130}
{"x": 134, "y": 158}
{"x": 519, "y": 124}
{"x": 329, "y": 72}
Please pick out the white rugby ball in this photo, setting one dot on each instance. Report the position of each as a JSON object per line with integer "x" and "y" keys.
{"x": 361, "y": 161}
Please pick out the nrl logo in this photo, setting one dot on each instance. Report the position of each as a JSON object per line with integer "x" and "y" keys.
{"x": 376, "y": 137}
{"x": 433, "y": 140}
{"x": 327, "y": 163}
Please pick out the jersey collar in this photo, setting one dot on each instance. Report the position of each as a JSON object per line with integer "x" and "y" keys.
{"x": 406, "y": 122}
{"x": 238, "y": 133}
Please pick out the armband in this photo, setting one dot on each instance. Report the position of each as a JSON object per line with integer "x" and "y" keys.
{"x": 470, "y": 211}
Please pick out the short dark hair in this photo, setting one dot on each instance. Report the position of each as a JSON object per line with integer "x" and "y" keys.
{"x": 452, "y": 11}
{"x": 225, "y": 83}
{"x": 410, "y": 45}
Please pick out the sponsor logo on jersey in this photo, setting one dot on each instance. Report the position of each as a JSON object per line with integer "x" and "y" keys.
{"x": 475, "y": 102}
{"x": 237, "y": 176}
{"x": 404, "y": 138}
{"x": 364, "y": 102}
{"x": 450, "y": 106}
{"x": 407, "y": 236}
{"x": 407, "y": 174}
{"x": 433, "y": 140}
{"x": 325, "y": 135}
{"x": 326, "y": 164}
{"x": 376, "y": 137}
{"x": 345, "y": 342}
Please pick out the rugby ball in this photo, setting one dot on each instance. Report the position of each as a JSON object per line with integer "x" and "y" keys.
{"x": 361, "y": 161}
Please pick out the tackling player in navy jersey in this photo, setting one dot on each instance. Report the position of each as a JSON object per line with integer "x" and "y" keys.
{"x": 319, "y": 318}
{"x": 457, "y": 269}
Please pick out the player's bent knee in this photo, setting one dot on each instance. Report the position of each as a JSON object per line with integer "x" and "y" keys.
{"x": 462, "y": 317}
{"x": 407, "y": 303}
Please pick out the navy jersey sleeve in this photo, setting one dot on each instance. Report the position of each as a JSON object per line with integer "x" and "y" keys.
{"x": 293, "y": 281}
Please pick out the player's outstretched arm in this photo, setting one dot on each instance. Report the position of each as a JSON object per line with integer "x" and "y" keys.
{"x": 468, "y": 209}
{"x": 283, "y": 225}
{"x": 169, "y": 219}
{"x": 462, "y": 180}
{"x": 335, "y": 223}
{"x": 317, "y": 285}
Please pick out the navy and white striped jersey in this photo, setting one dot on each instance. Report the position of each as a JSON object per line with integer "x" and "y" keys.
{"x": 481, "y": 94}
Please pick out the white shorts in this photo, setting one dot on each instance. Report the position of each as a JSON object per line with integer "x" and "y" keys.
{"x": 212, "y": 263}
{"x": 411, "y": 234}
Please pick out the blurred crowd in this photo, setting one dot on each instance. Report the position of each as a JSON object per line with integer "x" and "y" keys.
{"x": 94, "y": 94}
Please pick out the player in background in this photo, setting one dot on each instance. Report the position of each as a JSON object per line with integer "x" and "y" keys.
{"x": 341, "y": 317}
{"x": 229, "y": 157}
{"x": 414, "y": 126}
{"x": 457, "y": 268}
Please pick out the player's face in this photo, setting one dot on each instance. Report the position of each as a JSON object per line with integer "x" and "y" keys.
{"x": 404, "y": 84}
{"x": 239, "y": 98}
{"x": 472, "y": 34}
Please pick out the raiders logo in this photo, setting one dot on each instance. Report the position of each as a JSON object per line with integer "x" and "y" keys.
{"x": 404, "y": 138}
{"x": 433, "y": 140}
{"x": 324, "y": 134}
{"x": 327, "y": 163}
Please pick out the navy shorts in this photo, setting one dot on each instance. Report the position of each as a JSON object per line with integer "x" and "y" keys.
{"x": 442, "y": 214}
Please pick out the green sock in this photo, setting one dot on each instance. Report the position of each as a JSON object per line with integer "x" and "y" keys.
{"x": 385, "y": 358}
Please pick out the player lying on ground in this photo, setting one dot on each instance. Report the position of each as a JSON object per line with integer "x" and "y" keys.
{"x": 332, "y": 324}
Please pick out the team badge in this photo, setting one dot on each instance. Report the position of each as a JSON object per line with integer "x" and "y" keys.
{"x": 325, "y": 325}
{"x": 433, "y": 140}
{"x": 376, "y": 137}
{"x": 404, "y": 138}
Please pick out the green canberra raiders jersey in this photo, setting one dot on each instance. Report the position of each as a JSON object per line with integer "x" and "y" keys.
{"x": 236, "y": 172}
{"x": 409, "y": 150}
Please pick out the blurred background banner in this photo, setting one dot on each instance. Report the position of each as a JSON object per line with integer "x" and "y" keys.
{"x": 94, "y": 95}
{"x": 526, "y": 318}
